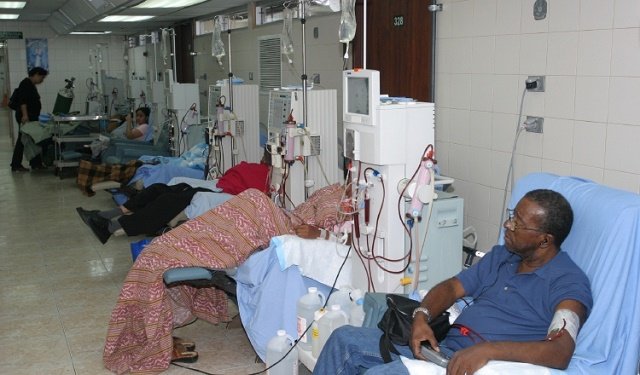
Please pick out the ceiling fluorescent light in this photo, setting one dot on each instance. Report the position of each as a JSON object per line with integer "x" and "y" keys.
{"x": 12, "y": 4}
{"x": 90, "y": 32}
{"x": 9, "y": 16}
{"x": 168, "y": 3}
{"x": 125, "y": 18}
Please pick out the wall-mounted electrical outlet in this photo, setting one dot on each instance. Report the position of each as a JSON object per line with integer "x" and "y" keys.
{"x": 534, "y": 124}
{"x": 535, "y": 83}
{"x": 540, "y": 10}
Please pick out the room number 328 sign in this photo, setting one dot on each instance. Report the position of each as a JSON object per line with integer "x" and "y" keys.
{"x": 398, "y": 21}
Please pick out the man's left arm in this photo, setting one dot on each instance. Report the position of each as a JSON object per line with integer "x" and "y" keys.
{"x": 555, "y": 351}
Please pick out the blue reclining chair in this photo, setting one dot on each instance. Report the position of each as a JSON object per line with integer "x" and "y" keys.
{"x": 200, "y": 277}
{"x": 605, "y": 242}
{"x": 156, "y": 143}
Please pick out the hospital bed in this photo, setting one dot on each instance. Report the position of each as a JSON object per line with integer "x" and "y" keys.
{"x": 605, "y": 243}
{"x": 157, "y": 169}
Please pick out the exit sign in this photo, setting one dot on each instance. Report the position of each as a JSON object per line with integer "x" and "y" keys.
{"x": 10, "y": 35}
{"x": 398, "y": 21}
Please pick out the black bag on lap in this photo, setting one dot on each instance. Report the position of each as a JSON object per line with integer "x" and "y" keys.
{"x": 396, "y": 324}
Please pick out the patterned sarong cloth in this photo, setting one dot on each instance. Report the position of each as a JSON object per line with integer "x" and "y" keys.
{"x": 139, "y": 338}
{"x": 90, "y": 173}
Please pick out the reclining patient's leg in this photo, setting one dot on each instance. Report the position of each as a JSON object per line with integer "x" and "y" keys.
{"x": 157, "y": 212}
{"x": 150, "y": 194}
{"x": 111, "y": 214}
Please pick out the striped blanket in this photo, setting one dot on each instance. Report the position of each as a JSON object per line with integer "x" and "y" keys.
{"x": 139, "y": 338}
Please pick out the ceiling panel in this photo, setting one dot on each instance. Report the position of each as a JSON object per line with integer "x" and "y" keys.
{"x": 85, "y": 12}
{"x": 80, "y": 11}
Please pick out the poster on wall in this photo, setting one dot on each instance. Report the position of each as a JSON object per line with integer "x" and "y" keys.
{"x": 37, "y": 53}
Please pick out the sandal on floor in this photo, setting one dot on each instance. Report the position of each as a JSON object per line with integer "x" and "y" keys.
{"x": 184, "y": 345}
{"x": 186, "y": 357}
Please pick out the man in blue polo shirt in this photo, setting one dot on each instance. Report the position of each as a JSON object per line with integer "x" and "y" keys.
{"x": 529, "y": 302}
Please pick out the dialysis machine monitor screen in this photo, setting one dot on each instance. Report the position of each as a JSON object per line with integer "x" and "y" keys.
{"x": 361, "y": 94}
{"x": 358, "y": 95}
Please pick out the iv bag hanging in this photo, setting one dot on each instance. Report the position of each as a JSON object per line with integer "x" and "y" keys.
{"x": 217, "y": 46}
{"x": 347, "y": 21}
{"x": 286, "y": 37}
{"x": 164, "y": 46}
{"x": 334, "y": 5}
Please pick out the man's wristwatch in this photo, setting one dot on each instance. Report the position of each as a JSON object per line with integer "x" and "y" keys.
{"x": 423, "y": 310}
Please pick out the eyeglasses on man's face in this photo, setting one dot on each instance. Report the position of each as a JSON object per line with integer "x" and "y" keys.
{"x": 513, "y": 225}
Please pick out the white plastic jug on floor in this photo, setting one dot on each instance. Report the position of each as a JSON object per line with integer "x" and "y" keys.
{"x": 315, "y": 333}
{"x": 307, "y": 306}
{"x": 341, "y": 297}
{"x": 333, "y": 319}
{"x": 277, "y": 349}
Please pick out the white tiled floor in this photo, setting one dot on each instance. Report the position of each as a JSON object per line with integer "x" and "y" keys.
{"x": 58, "y": 284}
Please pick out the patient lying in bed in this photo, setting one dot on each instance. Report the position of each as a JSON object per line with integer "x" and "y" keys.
{"x": 135, "y": 129}
{"x": 150, "y": 210}
{"x": 139, "y": 337}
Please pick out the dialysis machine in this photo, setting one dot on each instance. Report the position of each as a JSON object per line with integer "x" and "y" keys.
{"x": 386, "y": 143}
{"x": 440, "y": 256}
{"x": 113, "y": 99}
{"x": 305, "y": 154}
{"x": 182, "y": 103}
{"x": 138, "y": 79}
{"x": 233, "y": 132}
{"x": 159, "y": 98}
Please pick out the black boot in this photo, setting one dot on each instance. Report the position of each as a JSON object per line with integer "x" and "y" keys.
{"x": 100, "y": 227}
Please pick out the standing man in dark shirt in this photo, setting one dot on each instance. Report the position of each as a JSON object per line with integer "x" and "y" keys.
{"x": 29, "y": 110}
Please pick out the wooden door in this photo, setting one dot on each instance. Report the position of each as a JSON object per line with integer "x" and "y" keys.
{"x": 184, "y": 46}
{"x": 399, "y": 43}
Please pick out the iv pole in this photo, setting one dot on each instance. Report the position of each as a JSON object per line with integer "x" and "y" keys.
{"x": 364, "y": 36}
{"x": 303, "y": 22}
{"x": 173, "y": 54}
{"x": 230, "y": 75}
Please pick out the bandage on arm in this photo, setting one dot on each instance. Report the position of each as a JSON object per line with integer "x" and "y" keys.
{"x": 341, "y": 237}
{"x": 564, "y": 320}
{"x": 324, "y": 234}
{"x": 328, "y": 235}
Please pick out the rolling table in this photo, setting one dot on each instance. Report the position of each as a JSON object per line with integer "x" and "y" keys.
{"x": 59, "y": 138}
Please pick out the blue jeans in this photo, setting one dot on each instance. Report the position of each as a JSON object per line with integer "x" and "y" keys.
{"x": 354, "y": 350}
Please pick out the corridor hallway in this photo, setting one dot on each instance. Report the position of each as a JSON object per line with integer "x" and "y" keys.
{"x": 59, "y": 283}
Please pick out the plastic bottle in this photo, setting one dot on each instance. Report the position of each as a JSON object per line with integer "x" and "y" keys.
{"x": 341, "y": 297}
{"x": 217, "y": 45}
{"x": 315, "y": 333}
{"x": 333, "y": 319}
{"x": 347, "y": 29}
{"x": 289, "y": 129}
{"x": 356, "y": 316}
{"x": 286, "y": 36}
{"x": 277, "y": 349}
{"x": 307, "y": 306}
